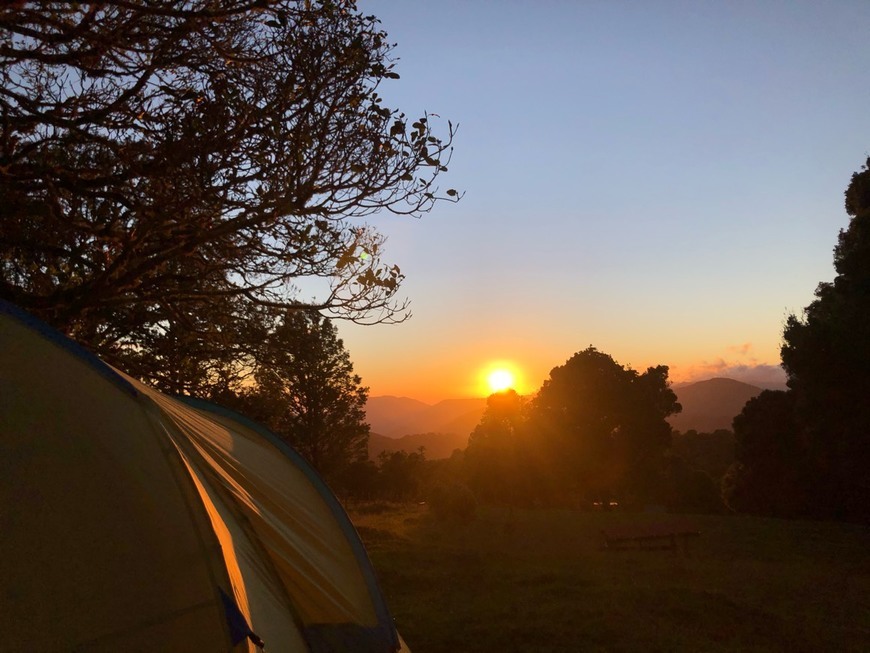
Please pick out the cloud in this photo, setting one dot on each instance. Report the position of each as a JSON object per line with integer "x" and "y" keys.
{"x": 741, "y": 350}
{"x": 763, "y": 375}
{"x": 739, "y": 365}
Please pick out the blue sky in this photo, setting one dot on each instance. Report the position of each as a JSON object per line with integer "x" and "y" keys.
{"x": 663, "y": 180}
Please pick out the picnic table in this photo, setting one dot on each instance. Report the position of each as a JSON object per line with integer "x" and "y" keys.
{"x": 671, "y": 535}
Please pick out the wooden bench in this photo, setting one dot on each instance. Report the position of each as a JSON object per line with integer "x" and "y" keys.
{"x": 650, "y": 537}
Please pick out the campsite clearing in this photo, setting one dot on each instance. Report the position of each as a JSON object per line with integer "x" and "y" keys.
{"x": 543, "y": 583}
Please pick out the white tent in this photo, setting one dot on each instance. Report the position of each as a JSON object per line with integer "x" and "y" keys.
{"x": 132, "y": 521}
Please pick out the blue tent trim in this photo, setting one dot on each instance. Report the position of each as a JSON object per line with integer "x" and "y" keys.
{"x": 239, "y": 628}
{"x": 385, "y": 629}
{"x": 53, "y": 335}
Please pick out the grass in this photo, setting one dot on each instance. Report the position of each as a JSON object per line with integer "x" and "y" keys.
{"x": 537, "y": 580}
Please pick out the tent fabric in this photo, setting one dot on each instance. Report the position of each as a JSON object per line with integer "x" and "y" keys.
{"x": 134, "y": 521}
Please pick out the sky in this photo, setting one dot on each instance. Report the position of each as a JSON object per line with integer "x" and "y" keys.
{"x": 661, "y": 180}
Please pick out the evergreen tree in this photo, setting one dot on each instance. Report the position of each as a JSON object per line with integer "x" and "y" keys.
{"x": 826, "y": 354}
{"x": 307, "y": 393}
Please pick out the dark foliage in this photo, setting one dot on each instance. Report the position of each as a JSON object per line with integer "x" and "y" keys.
{"x": 168, "y": 168}
{"x": 500, "y": 460}
{"x": 306, "y": 392}
{"x": 769, "y": 477}
{"x": 712, "y": 453}
{"x": 595, "y": 432}
{"x": 826, "y": 353}
{"x": 401, "y": 474}
{"x": 806, "y": 451}
{"x": 689, "y": 490}
{"x": 604, "y": 427}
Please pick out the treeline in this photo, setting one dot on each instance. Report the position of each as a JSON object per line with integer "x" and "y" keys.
{"x": 594, "y": 436}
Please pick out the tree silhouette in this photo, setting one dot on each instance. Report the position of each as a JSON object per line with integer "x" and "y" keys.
{"x": 166, "y": 163}
{"x": 499, "y": 463}
{"x": 605, "y": 426}
{"x": 307, "y": 393}
{"x": 769, "y": 475}
{"x": 826, "y": 354}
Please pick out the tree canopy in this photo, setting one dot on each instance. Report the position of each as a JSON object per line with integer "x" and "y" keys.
{"x": 499, "y": 462}
{"x": 606, "y": 424}
{"x": 826, "y": 354}
{"x": 770, "y": 476}
{"x": 307, "y": 393}
{"x": 807, "y": 451}
{"x": 595, "y": 431}
{"x": 165, "y": 159}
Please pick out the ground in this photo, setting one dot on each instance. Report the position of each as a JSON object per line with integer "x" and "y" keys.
{"x": 538, "y": 580}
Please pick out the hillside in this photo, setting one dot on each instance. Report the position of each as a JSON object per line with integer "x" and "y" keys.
{"x": 711, "y": 404}
{"x": 395, "y": 417}
{"x": 437, "y": 445}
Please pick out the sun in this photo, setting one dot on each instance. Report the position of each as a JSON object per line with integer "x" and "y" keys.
{"x": 500, "y": 380}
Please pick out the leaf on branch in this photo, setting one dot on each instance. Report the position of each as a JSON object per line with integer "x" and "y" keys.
{"x": 452, "y": 192}
{"x": 347, "y": 258}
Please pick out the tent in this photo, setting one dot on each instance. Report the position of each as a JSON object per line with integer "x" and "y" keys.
{"x": 133, "y": 521}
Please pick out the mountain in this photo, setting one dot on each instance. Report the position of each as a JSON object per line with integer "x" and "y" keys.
{"x": 437, "y": 445}
{"x": 390, "y": 416}
{"x": 398, "y": 416}
{"x": 711, "y": 404}
{"x": 400, "y": 423}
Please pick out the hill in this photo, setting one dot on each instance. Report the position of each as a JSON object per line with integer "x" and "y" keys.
{"x": 395, "y": 417}
{"x": 711, "y": 404}
{"x": 390, "y": 416}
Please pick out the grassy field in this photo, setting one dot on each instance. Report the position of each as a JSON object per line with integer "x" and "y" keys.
{"x": 538, "y": 580}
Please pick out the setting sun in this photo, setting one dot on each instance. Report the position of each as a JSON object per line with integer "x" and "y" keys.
{"x": 500, "y": 380}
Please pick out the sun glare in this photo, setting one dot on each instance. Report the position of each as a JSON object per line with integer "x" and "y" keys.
{"x": 500, "y": 380}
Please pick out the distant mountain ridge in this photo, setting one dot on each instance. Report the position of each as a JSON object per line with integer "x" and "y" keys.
{"x": 401, "y": 423}
{"x": 398, "y": 416}
{"x": 712, "y": 404}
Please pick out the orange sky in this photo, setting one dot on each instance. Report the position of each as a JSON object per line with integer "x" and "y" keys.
{"x": 427, "y": 363}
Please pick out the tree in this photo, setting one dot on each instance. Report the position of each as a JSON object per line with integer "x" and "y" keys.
{"x": 499, "y": 464}
{"x": 826, "y": 354}
{"x": 166, "y": 162}
{"x": 769, "y": 475}
{"x": 307, "y": 393}
{"x": 605, "y": 426}
{"x": 401, "y": 473}
{"x": 712, "y": 453}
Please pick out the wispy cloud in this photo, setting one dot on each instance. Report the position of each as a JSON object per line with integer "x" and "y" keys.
{"x": 741, "y": 350}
